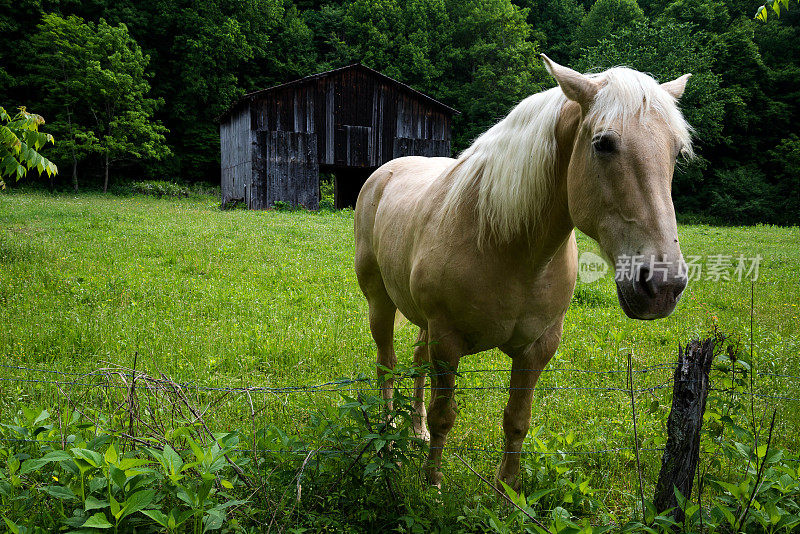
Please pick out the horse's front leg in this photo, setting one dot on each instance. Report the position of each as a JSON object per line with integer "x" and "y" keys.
{"x": 445, "y": 351}
{"x": 526, "y": 367}
{"x": 421, "y": 358}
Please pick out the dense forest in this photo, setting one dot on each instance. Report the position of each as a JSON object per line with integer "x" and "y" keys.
{"x": 132, "y": 89}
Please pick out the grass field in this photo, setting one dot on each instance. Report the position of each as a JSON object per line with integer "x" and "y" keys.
{"x": 244, "y": 298}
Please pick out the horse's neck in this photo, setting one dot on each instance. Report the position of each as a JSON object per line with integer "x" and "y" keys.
{"x": 555, "y": 224}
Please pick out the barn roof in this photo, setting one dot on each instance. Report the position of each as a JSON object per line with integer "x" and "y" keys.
{"x": 355, "y": 66}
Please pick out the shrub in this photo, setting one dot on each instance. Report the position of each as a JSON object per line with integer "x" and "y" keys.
{"x": 160, "y": 188}
{"x": 742, "y": 196}
{"x": 326, "y": 194}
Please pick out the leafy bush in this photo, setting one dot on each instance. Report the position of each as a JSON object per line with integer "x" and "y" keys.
{"x": 280, "y": 205}
{"x": 785, "y": 163}
{"x": 20, "y": 142}
{"x": 86, "y": 480}
{"x": 160, "y": 188}
{"x": 326, "y": 193}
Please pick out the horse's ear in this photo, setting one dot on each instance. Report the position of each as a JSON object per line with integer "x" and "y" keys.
{"x": 575, "y": 85}
{"x": 676, "y": 86}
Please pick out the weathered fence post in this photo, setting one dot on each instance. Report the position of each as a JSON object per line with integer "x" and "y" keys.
{"x": 679, "y": 463}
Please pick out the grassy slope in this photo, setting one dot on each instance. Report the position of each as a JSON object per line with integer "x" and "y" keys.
{"x": 264, "y": 298}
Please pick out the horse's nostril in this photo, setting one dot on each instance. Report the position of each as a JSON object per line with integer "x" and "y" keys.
{"x": 644, "y": 283}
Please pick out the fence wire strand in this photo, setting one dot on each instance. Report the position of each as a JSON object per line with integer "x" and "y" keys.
{"x": 342, "y": 386}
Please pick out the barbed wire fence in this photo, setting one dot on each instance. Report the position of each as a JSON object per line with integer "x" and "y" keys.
{"x": 120, "y": 390}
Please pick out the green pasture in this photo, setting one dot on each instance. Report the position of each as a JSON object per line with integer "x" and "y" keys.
{"x": 239, "y": 299}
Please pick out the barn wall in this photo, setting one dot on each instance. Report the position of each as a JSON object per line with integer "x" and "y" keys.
{"x": 350, "y": 119}
{"x": 287, "y": 168}
{"x": 235, "y": 139}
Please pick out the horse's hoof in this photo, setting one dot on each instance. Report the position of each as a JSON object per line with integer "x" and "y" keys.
{"x": 423, "y": 434}
{"x": 434, "y": 477}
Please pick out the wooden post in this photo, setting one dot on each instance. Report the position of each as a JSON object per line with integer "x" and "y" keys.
{"x": 679, "y": 463}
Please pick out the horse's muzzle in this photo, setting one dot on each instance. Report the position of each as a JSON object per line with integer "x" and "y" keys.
{"x": 649, "y": 295}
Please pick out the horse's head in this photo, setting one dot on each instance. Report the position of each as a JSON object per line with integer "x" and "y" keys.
{"x": 619, "y": 180}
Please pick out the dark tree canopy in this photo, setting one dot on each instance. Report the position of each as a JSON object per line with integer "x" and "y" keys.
{"x": 176, "y": 66}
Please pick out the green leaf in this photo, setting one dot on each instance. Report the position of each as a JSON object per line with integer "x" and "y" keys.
{"x": 98, "y": 520}
{"x": 118, "y": 476}
{"x": 198, "y": 451}
{"x": 734, "y": 489}
{"x": 34, "y": 464}
{"x": 213, "y": 520}
{"x": 173, "y": 460}
{"x": 92, "y": 503}
{"x": 743, "y": 449}
{"x": 111, "y": 455}
{"x": 60, "y": 492}
{"x": 37, "y": 463}
{"x": 136, "y": 502}
{"x": 93, "y": 458}
{"x": 115, "y": 507}
{"x": 534, "y": 497}
{"x": 158, "y": 516}
{"x": 10, "y": 524}
{"x": 726, "y": 513}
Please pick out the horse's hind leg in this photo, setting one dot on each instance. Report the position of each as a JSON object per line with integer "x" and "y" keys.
{"x": 421, "y": 357}
{"x": 526, "y": 367}
{"x": 381, "y": 324}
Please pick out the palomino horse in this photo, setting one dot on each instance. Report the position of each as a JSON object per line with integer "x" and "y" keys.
{"x": 479, "y": 252}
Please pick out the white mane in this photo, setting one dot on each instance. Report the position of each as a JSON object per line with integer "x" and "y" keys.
{"x": 511, "y": 166}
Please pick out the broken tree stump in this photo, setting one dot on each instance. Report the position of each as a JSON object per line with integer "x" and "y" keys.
{"x": 679, "y": 463}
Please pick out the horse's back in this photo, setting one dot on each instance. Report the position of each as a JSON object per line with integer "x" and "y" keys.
{"x": 396, "y": 189}
{"x": 404, "y": 179}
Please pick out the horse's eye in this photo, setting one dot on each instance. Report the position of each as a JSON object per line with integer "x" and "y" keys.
{"x": 604, "y": 143}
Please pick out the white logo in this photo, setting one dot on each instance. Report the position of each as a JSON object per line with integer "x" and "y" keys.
{"x": 591, "y": 267}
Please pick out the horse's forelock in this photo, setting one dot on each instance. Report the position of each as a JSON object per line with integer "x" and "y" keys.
{"x": 629, "y": 95}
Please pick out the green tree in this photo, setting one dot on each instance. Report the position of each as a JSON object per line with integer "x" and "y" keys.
{"x": 606, "y": 18}
{"x": 476, "y": 55}
{"x": 208, "y": 54}
{"x": 405, "y": 39}
{"x": 493, "y": 64}
{"x": 116, "y": 90}
{"x": 555, "y": 24}
{"x": 93, "y": 77}
{"x": 20, "y": 142}
{"x": 784, "y": 164}
{"x": 59, "y": 72}
{"x": 668, "y": 49}
{"x": 18, "y": 20}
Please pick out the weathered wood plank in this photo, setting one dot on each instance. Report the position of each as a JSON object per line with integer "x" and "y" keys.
{"x": 682, "y": 452}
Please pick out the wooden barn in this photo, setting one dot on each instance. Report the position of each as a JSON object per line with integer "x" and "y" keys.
{"x": 346, "y": 122}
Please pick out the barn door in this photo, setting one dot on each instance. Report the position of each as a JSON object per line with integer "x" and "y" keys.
{"x": 289, "y": 170}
